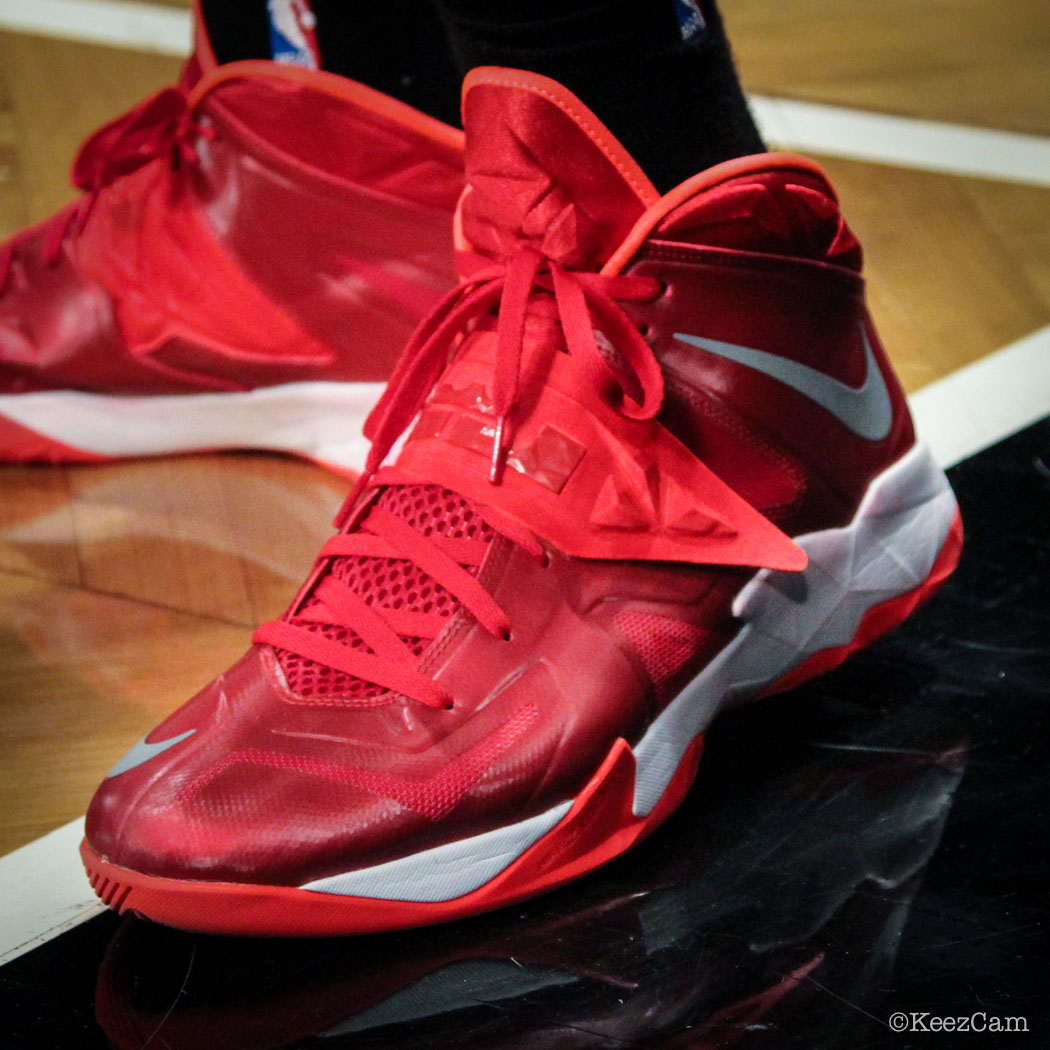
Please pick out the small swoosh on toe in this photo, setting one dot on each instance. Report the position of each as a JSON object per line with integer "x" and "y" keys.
{"x": 143, "y": 752}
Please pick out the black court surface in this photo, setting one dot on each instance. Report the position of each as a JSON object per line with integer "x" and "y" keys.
{"x": 863, "y": 855}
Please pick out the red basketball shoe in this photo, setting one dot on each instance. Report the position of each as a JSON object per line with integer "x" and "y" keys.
{"x": 658, "y": 465}
{"x": 252, "y": 249}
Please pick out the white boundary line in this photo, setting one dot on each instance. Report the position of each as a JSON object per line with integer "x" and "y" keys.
{"x": 44, "y": 890}
{"x": 805, "y": 126}
{"x": 906, "y": 142}
{"x": 119, "y": 23}
{"x": 985, "y": 401}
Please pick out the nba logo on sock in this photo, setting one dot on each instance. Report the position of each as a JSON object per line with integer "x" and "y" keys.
{"x": 690, "y": 18}
{"x": 292, "y": 33}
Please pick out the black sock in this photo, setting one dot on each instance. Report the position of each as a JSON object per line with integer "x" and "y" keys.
{"x": 399, "y": 47}
{"x": 237, "y": 30}
{"x": 674, "y": 103}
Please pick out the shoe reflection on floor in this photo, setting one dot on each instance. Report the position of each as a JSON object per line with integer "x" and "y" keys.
{"x": 765, "y": 913}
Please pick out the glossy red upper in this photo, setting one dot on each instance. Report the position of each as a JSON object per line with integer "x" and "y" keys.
{"x": 263, "y": 224}
{"x": 628, "y": 488}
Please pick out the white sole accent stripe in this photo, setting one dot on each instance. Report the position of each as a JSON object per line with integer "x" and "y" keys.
{"x": 320, "y": 420}
{"x": 444, "y": 872}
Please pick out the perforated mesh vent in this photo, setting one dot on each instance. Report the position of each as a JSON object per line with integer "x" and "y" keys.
{"x": 393, "y": 583}
{"x": 664, "y": 645}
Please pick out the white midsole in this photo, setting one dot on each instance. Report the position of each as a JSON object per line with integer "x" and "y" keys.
{"x": 319, "y": 420}
{"x": 888, "y": 549}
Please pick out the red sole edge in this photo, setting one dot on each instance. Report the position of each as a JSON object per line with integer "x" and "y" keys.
{"x": 19, "y": 444}
{"x": 578, "y": 844}
{"x": 879, "y": 619}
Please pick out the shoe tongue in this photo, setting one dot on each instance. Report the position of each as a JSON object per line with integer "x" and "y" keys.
{"x": 544, "y": 172}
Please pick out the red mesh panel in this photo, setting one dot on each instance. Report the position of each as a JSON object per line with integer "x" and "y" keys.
{"x": 393, "y": 583}
{"x": 664, "y": 645}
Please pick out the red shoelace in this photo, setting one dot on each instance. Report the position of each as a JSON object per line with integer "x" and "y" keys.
{"x": 630, "y": 379}
{"x": 160, "y": 126}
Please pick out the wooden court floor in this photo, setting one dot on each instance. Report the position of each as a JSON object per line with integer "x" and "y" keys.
{"x": 124, "y": 588}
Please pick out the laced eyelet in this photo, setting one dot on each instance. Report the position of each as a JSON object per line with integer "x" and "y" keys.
{"x": 506, "y": 635}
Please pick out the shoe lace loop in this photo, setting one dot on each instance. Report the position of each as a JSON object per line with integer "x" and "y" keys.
{"x": 160, "y": 126}
{"x": 630, "y": 378}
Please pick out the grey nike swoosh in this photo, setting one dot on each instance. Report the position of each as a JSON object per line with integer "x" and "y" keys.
{"x": 866, "y": 410}
{"x": 143, "y": 752}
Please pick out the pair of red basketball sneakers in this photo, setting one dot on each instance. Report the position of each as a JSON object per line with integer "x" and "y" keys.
{"x": 646, "y": 460}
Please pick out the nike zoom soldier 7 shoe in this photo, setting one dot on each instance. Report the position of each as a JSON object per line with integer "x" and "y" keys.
{"x": 657, "y": 464}
{"x": 252, "y": 248}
